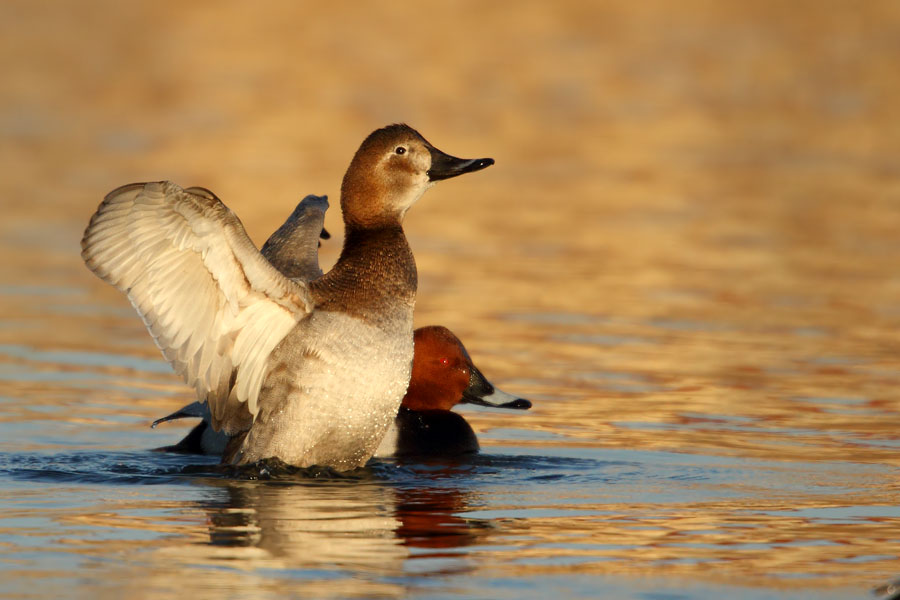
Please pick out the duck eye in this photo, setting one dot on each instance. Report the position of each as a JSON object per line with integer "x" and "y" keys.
{"x": 400, "y": 150}
{"x": 445, "y": 361}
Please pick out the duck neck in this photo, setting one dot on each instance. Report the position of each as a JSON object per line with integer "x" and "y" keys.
{"x": 375, "y": 273}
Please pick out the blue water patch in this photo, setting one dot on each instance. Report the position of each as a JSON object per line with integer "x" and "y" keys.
{"x": 563, "y": 561}
{"x": 686, "y": 325}
{"x": 810, "y": 332}
{"x": 124, "y": 312}
{"x": 586, "y": 547}
{"x": 536, "y": 513}
{"x": 597, "y": 339}
{"x": 837, "y": 360}
{"x": 8, "y": 289}
{"x": 108, "y": 468}
{"x": 792, "y": 432}
{"x": 716, "y": 546}
{"x": 876, "y": 442}
{"x": 841, "y": 514}
{"x": 866, "y": 558}
{"x": 580, "y": 586}
{"x": 436, "y": 565}
{"x": 844, "y": 401}
{"x": 551, "y": 318}
{"x": 647, "y": 425}
{"x": 93, "y": 382}
{"x": 85, "y": 359}
{"x": 508, "y": 433}
{"x": 718, "y": 418}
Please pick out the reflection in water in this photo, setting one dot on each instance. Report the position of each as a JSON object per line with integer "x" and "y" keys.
{"x": 298, "y": 529}
{"x": 429, "y": 519}
{"x": 320, "y": 531}
{"x": 556, "y": 511}
{"x": 342, "y": 524}
{"x": 300, "y": 525}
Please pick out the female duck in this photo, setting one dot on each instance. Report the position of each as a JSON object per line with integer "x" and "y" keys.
{"x": 312, "y": 374}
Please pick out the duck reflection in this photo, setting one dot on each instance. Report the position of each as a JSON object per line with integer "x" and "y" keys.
{"x": 311, "y": 524}
{"x": 429, "y": 519}
{"x": 366, "y": 524}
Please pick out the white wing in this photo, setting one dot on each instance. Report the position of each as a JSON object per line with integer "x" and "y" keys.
{"x": 215, "y": 307}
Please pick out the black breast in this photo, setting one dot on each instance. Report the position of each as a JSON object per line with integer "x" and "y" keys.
{"x": 433, "y": 433}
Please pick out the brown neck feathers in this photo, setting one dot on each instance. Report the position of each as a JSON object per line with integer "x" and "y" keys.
{"x": 375, "y": 273}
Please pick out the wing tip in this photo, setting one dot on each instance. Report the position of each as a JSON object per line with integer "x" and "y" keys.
{"x": 202, "y": 192}
{"x": 118, "y": 196}
{"x": 163, "y": 184}
{"x": 124, "y": 189}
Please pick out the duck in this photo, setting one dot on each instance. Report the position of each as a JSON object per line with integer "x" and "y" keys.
{"x": 309, "y": 373}
{"x": 443, "y": 374}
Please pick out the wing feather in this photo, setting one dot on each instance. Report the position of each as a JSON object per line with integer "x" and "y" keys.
{"x": 214, "y": 305}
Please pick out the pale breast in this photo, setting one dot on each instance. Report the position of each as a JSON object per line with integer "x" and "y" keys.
{"x": 331, "y": 403}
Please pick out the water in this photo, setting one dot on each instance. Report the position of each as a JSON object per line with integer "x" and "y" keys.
{"x": 516, "y": 521}
{"x": 686, "y": 257}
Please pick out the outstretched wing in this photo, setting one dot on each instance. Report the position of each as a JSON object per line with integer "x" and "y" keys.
{"x": 215, "y": 307}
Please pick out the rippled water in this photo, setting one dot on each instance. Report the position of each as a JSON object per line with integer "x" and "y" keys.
{"x": 686, "y": 256}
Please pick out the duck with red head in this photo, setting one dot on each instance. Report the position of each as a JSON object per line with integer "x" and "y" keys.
{"x": 443, "y": 376}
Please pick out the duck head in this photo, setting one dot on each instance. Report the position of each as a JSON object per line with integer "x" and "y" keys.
{"x": 443, "y": 375}
{"x": 391, "y": 170}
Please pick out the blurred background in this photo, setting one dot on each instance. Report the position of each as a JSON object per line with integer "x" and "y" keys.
{"x": 634, "y": 141}
{"x": 689, "y": 242}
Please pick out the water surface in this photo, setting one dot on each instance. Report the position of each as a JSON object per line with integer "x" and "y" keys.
{"x": 686, "y": 257}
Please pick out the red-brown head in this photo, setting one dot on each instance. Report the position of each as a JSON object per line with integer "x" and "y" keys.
{"x": 443, "y": 375}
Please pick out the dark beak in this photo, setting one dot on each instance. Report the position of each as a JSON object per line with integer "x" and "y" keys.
{"x": 191, "y": 411}
{"x": 481, "y": 392}
{"x": 444, "y": 166}
{"x": 323, "y": 235}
